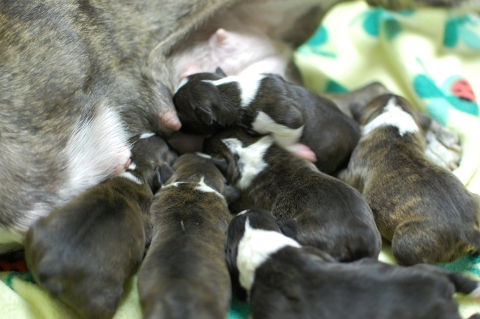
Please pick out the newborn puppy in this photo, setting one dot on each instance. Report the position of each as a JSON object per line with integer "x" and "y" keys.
{"x": 84, "y": 251}
{"x": 266, "y": 103}
{"x": 424, "y": 210}
{"x": 184, "y": 274}
{"x": 286, "y": 280}
{"x": 331, "y": 215}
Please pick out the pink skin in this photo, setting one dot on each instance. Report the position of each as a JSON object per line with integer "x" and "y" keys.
{"x": 124, "y": 161}
{"x": 302, "y": 151}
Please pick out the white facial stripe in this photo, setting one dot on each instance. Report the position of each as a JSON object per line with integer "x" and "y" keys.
{"x": 146, "y": 135}
{"x": 243, "y": 212}
{"x": 202, "y": 187}
{"x": 250, "y": 158}
{"x": 248, "y": 86}
{"x": 393, "y": 115}
{"x": 284, "y": 136}
{"x": 254, "y": 249}
{"x": 203, "y": 155}
{"x": 182, "y": 83}
{"x": 131, "y": 177}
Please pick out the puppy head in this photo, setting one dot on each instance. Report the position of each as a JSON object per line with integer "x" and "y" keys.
{"x": 365, "y": 113}
{"x": 202, "y": 106}
{"x": 200, "y": 168}
{"x": 149, "y": 153}
{"x": 238, "y": 154}
{"x": 257, "y": 219}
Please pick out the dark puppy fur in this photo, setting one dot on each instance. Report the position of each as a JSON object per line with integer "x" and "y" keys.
{"x": 424, "y": 210}
{"x": 266, "y": 103}
{"x": 84, "y": 251}
{"x": 184, "y": 274}
{"x": 331, "y": 215}
{"x": 285, "y": 280}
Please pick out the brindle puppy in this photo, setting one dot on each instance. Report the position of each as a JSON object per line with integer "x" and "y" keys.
{"x": 424, "y": 210}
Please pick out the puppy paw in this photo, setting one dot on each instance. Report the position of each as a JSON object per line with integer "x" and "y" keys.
{"x": 443, "y": 146}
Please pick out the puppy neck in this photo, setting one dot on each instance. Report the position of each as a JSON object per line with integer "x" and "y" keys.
{"x": 392, "y": 115}
{"x": 255, "y": 247}
{"x": 250, "y": 158}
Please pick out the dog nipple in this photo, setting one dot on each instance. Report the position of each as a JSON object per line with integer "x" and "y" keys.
{"x": 303, "y": 151}
{"x": 170, "y": 120}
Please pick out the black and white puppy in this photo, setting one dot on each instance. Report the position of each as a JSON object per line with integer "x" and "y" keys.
{"x": 286, "y": 280}
{"x": 84, "y": 251}
{"x": 424, "y": 210}
{"x": 184, "y": 274}
{"x": 266, "y": 103}
{"x": 331, "y": 215}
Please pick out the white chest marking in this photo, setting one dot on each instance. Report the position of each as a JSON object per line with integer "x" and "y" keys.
{"x": 202, "y": 187}
{"x": 248, "y": 86}
{"x": 254, "y": 249}
{"x": 131, "y": 177}
{"x": 250, "y": 158}
{"x": 284, "y": 136}
{"x": 392, "y": 115}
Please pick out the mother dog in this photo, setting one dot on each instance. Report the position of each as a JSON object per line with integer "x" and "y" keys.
{"x": 78, "y": 78}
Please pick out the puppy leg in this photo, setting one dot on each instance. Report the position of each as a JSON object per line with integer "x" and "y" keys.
{"x": 413, "y": 243}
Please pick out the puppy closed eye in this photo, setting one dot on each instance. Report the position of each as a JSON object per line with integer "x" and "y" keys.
{"x": 205, "y": 115}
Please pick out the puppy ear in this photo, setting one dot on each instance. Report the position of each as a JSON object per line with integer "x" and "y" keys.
{"x": 220, "y": 72}
{"x": 289, "y": 227}
{"x": 166, "y": 171}
{"x": 205, "y": 115}
{"x": 231, "y": 194}
{"x": 424, "y": 121}
{"x": 157, "y": 180}
{"x": 357, "y": 110}
{"x": 221, "y": 164}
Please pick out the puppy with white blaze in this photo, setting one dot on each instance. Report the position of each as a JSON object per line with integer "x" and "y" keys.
{"x": 331, "y": 215}
{"x": 301, "y": 121}
{"x": 422, "y": 209}
{"x": 287, "y": 281}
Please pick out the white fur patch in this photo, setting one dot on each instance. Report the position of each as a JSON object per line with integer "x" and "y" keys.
{"x": 248, "y": 86}
{"x": 182, "y": 83}
{"x": 175, "y": 184}
{"x": 284, "y": 136}
{"x": 131, "y": 177}
{"x": 203, "y": 155}
{"x": 132, "y": 166}
{"x": 392, "y": 115}
{"x": 250, "y": 158}
{"x": 202, "y": 187}
{"x": 146, "y": 135}
{"x": 254, "y": 249}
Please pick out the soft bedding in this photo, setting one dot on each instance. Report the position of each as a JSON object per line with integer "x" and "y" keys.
{"x": 431, "y": 56}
